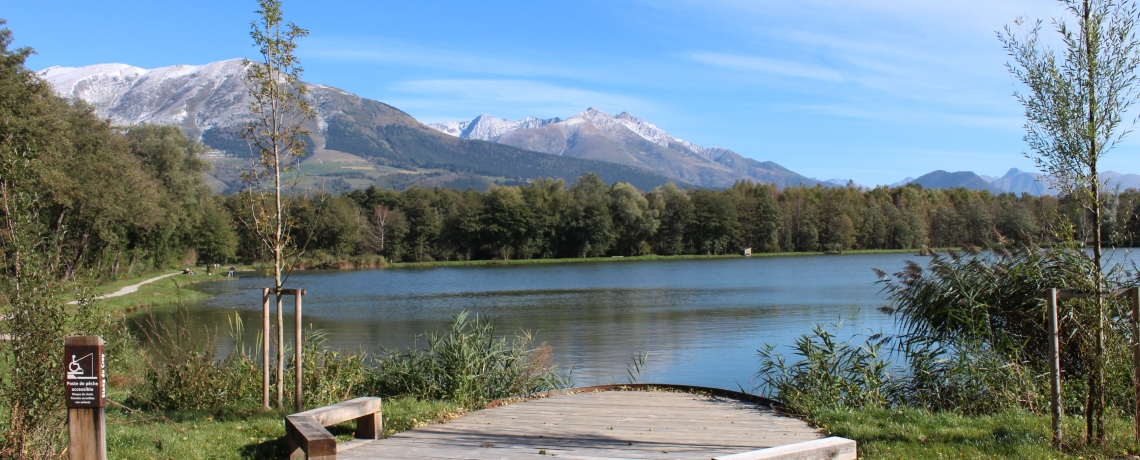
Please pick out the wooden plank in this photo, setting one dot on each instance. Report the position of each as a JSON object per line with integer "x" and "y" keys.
{"x": 609, "y": 424}
{"x": 309, "y": 437}
{"x": 834, "y": 448}
{"x": 342, "y": 447}
{"x": 344, "y": 411}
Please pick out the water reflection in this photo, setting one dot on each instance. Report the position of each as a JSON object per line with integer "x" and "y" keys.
{"x": 701, "y": 321}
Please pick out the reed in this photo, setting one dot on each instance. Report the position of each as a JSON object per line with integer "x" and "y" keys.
{"x": 469, "y": 364}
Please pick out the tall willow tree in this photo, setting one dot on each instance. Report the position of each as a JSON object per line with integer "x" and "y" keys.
{"x": 1075, "y": 107}
{"x": 275, "y": 137}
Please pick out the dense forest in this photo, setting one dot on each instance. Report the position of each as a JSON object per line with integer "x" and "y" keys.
{"x": 545, "y": 219}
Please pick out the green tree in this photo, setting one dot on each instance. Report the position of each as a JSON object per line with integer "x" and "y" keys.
{"x": 714, "y": 226}
{"x": 676, "y": 211}
{"x": 462, "y": 226}
{"x": 590, "y": 229}
{"x": 166, "y": 154}
{"x": 275, "y": 137}
{"x": 550, "y": 203}
{"x": 505, "y": 218}
{"x": 424, "y": 221}
{"x": 34, "y": 131}
{"x": 215, "y": 238}
{"x": 1075, "y": 107}
{"x": 634, "y": 221}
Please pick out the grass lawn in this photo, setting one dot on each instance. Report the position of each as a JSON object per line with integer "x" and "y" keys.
{"x": 919, "y": 434}
{"x": 252, "y": 433}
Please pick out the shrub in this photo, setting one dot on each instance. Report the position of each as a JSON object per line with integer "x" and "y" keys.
{"x": 184, "y": 372}
{"x": 468, "y": 364}
{"x": 828, "y": 373}
{"x": 972, "y": 338}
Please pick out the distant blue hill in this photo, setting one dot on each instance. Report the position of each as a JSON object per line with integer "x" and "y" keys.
{"x": 1017, "y": 181}
{"x": 964, "y": 179}
{"x": 1014, "y": 181}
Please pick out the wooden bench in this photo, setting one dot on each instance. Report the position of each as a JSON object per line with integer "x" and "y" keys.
{"x": 308, "y": 438}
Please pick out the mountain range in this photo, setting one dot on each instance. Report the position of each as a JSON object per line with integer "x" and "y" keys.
{"x": 355, "y": 141}
{"x": 625, "y": 139}
{"x": 1014, "y": 181}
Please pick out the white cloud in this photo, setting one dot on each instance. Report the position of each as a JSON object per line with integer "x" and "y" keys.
{"x": 767, "y": 65}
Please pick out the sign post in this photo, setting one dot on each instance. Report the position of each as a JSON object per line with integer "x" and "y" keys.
{"x": 85, "y": 388}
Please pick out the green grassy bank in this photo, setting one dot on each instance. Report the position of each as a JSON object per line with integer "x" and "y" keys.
{"x": 920, "y": 434}
{"x": 250, "y": 433}
{"x": 167, "y": 291}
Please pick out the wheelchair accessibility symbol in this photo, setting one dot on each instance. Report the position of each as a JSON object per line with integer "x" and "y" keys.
{"x": 82, "y": 368}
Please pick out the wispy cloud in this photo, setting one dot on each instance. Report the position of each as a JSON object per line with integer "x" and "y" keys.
{"x": 909, "y": 115}
{"x": 384, "y": 51}
{"x": 767, "y": 65}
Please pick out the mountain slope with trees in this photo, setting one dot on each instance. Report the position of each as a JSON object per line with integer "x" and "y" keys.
{"x": 629, "y": 140}
{"x": 210, "y": 103}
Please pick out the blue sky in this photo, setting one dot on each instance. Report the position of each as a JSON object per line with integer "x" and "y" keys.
{"x": 863, "y": 89}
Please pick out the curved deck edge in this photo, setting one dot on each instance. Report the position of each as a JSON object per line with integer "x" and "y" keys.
{"x": 642, "y": 387}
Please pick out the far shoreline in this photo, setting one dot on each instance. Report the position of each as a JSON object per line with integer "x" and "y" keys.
{"x": 181, "y": 290}
{"x": 651, "y": 257}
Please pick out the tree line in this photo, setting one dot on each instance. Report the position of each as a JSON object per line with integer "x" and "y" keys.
{"x": 549, "y": 219}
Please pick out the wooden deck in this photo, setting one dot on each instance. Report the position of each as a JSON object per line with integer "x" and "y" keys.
{"x": 598, "y": 425}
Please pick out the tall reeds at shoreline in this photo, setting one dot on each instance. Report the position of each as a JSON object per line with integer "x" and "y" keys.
{"x": 468, "y": 363}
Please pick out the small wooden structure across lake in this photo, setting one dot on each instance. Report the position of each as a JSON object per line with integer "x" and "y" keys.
{"x": 599, "y": 425}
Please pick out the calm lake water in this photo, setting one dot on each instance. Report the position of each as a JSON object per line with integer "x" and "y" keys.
{"x": 701, "y": 321}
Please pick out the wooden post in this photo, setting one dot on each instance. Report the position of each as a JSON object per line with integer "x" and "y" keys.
{"x": 265, "y": 348}
{"x": 85, "y": 389}
{"x": 1054, "y": 365}
{"x": 1134, "y": 294}
{"x": 297, "y": 296}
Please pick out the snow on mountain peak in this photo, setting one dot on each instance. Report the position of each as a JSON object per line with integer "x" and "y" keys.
{"x": 489, "y": 128}
{"x": 194, "y": 97}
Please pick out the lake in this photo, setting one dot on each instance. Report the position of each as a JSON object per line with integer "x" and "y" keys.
{"x": 700, "y": 320}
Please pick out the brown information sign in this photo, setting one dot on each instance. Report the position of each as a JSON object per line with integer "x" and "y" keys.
{"x": 86, "y": 378}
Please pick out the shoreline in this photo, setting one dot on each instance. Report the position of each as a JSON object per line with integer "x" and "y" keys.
{"x": 159, "y": 294}
{"x": 462, "y": 263}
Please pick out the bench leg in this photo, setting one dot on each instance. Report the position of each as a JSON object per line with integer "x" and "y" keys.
{"x": 295, "y": 452}
{"x": 370, "y": 426}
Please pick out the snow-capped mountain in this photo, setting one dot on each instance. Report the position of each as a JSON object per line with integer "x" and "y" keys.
{"x": 624, "y": 139}
{"x": 488, "y": 128}
{"x": 195, "y": 98}
{"x": 210, "y": 102}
